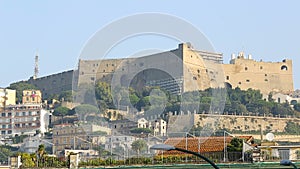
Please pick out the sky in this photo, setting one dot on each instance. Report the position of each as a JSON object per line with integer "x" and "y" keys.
{"x": 58, "y": 30}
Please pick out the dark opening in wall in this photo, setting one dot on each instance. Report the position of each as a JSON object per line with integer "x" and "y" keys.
{"x": 284, "y": 67}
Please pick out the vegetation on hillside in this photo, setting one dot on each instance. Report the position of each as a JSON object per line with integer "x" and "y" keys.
{"x": 19, "y": 87}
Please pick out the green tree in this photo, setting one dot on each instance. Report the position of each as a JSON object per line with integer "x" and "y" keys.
{"x": 292, "y": 128}
{"x": 141, "y": 130}
{"x": 235, "y": 145}
{"x": 61, "y": 111}
{"x": 66, "y": 96}
{"x": 19, "y": 87}
{"x": 27, "y": 160}
{"x": 85, "y": 109}
{"x": 134, "y": 99}
{"x": 139, "y": 146}
{"x": 297, "y": 107}
{"x": 41, "y": 153}
{"x": 103, "y": 92}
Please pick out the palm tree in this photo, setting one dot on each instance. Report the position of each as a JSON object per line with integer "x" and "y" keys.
{"x": 41, "y": 152}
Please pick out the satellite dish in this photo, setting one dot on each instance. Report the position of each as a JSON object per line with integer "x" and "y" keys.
{"x": 270, "y": 136}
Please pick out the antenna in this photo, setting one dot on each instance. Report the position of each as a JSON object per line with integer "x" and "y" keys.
{"x": 36, "y": 66}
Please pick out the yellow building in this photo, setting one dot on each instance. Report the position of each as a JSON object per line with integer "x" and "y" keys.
{"x": 7, "y": 97}
{"x": 245, "y": 73}
{"x": 32, "y": 96}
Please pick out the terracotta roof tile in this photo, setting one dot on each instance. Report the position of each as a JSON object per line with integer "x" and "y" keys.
{"x": 207, "y": 144}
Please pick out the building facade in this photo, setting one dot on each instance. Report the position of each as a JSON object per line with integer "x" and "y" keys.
{"x": 7, "y": 97}
{"x": 245, "y": 73}
{"x": 32, "y": 96}
{"x": 69, "y": 136}
{"x": 23, "y": 119}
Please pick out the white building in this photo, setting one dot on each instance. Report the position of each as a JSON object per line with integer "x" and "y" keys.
{"x": 282, "y": 98}
{"x": 117, "y": 141}
{"x": 23, "y": 119}
{"x": 158, "y": 126}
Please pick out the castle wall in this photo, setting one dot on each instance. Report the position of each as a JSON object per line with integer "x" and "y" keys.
{"x": 196, "y": 72}
{"x": 264, "y": 76}
{"x": 245, "y": 123}
{"x": 54, "y": 84}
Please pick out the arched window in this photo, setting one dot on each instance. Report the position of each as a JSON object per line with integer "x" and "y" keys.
{"x": 284, "y": 67}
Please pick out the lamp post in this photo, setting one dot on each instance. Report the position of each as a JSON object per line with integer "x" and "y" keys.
{"x": 225, "y": 147}
{"x": 169, "y": 147}
{"x": 288, "y": 163}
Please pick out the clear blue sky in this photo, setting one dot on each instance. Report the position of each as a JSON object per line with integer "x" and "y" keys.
{"x": 269, "y": 30}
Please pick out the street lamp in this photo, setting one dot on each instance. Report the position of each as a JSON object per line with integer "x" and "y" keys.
{"x": 169, "y": 147}
{"x": 288, "y": 163}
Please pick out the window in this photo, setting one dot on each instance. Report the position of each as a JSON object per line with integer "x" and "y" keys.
{"x": 3, "y": 114}
{"x": 284, "y": 67}
{"x": 261, "y": 67}
{"x": 92, "y": 78}
{"x": 247, "y": 80}
{"x": 246, "y": 68}
{"x": 194, "y": 78}
{"x": 227, "y": 77}
{"x": 240, "y": 82}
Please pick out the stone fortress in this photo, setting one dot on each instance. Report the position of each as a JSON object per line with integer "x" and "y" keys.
{"x": 205, "y": 69}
